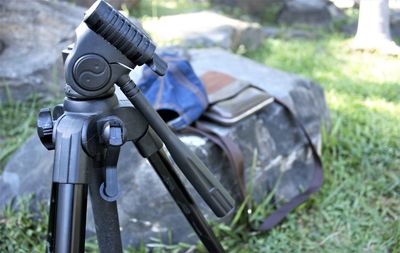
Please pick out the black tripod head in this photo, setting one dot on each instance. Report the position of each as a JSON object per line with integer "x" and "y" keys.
{"x": 108, "y": 46}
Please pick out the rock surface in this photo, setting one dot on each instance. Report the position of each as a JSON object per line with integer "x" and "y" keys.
{"x": 258, "y": 8}
{"x": 289, "y": 33}
{"x": 315, "y": 12}
{"x": 289, "y": 12}
{"x": 33, "y": 33}
{"x": 395, "y": 23}
{"x": 204, "y": 29}
{"x": 130, "y": 4}
{"x": 145, "y": 207}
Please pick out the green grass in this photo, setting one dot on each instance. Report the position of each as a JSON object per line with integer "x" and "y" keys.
{"x": 18, "y": 121}
{"x": 22, "y": 229}
{"x": 358, "y": 208}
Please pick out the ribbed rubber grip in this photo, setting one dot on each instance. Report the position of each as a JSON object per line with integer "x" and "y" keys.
{"x": 120, "y": 32}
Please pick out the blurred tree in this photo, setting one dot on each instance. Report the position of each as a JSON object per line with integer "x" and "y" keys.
{"x": 373, "y": 31}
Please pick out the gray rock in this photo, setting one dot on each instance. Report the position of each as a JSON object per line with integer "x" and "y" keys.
{"x": 204, "y": 29}
{"x": 33, "y": 33}
{"x": 316, "y": 12}
{"x": 395, "y": 23}
{"x": 130, "y": 4}
{"x": 289, "y": 33}
{"x": 271, "y": 31}
{"x": 349, "y": 29}
{"x": 306, "y": 5}
{"x": 87, "y": 3}
{"x": 282, "y": 154}
{"x": 259, "y": 8}
{"x": 301, "y": 34}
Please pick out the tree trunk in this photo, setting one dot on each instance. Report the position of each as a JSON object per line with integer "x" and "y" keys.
{"x": 373, "y": 31}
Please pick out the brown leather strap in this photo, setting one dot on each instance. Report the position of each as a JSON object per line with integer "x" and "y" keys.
{"x": 277, "y": 216}
{"x": 231, "y": 150}
{"x": 235, "y": 158}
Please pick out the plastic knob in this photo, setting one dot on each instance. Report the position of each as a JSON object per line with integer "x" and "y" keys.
{"x": 45, "y": 128}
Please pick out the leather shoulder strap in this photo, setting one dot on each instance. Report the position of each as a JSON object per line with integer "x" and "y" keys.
{"x": 316, "y": 182}
{"x": 235, "y": 158}
{"x": 231, "y": 150}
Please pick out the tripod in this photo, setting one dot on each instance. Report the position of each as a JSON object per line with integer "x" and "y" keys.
{"x": 88, "y": 130}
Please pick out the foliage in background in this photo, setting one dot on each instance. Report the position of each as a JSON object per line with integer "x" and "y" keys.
{"x": 158, "y": 8}
{"x": 18, "y": 121}
{"x": 22, "y": 226}
{"x": 357, "y": 210}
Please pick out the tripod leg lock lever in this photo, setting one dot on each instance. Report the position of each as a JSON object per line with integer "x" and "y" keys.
{"x": 113, "y": 137}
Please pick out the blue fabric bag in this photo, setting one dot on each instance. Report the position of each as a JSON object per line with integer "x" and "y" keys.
{"x": 179, "y": 97}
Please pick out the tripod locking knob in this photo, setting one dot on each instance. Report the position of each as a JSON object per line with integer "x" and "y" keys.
{"x": 45, "y": 128}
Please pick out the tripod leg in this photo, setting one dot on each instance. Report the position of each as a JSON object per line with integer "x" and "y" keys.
{"x": 164, "y": 169}
{"x": 52, "y": 214}
{"x": 105, "y": 216}
{"x": 67, "y": 218}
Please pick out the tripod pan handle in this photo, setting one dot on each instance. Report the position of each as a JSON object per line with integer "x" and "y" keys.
{"x": 123, "y": 34}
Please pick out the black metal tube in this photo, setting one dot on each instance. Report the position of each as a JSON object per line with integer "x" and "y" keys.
{"x": 70, "y": 218}
{"x": 170, "y": 179}
{"x": 51, "y": 229}
{"x": 209, "y": 188}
